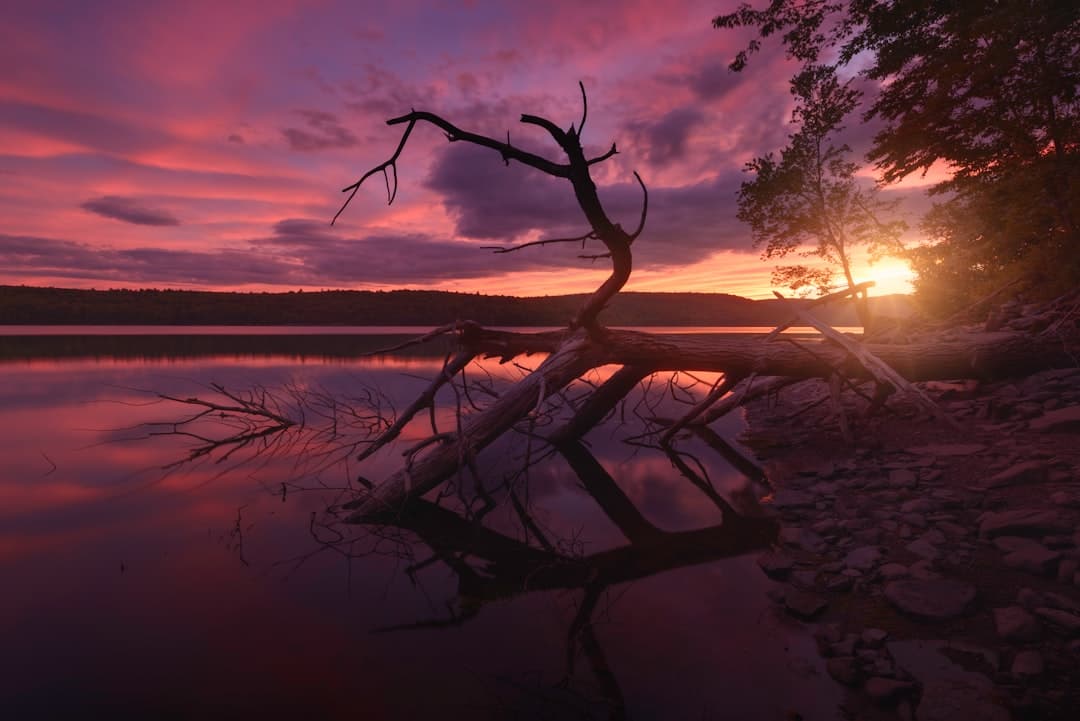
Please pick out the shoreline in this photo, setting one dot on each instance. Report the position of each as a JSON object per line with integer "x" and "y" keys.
{"x": 940, "y": 568}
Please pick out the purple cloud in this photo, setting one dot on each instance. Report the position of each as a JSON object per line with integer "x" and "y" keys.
{"x": 129, "y": 210}
{"x": 323, "y": 131}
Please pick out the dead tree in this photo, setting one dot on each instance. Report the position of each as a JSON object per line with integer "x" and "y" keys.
{"x": 586, "y": 344}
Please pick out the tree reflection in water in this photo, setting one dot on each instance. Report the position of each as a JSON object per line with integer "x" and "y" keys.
{"x": 454, "y": 528}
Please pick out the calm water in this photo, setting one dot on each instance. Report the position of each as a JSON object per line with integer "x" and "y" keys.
{"x": 133, "y": 589}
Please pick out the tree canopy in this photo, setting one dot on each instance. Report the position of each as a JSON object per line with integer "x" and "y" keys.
{"x": 989, "y": 92}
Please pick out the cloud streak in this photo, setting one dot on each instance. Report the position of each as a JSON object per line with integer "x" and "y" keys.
{"x": 129, "y": 210}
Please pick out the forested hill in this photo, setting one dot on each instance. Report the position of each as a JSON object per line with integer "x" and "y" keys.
{"x": 29, "y": 305}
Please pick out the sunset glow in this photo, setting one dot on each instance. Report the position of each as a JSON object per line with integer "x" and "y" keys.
{"x": 203, "y": 146}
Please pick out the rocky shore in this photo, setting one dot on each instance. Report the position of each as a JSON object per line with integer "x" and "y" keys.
{"x": 939, "y": 567}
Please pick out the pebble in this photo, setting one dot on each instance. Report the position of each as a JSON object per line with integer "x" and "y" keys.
{"x": 803, "y": 605}
{"x": 863, "y": 559}
{"x": 1064, "y": 620}
{"x": 776, "y": 565}
{"x": 1013, "y": 623}
{"x": 931, "y": 599}
{"x": 1023, "y": 522}
{"x": 1028, "y": 663}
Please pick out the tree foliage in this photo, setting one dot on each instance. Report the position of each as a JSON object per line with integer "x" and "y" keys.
{"x": 989, "y": 91}
{"x": 809, "y": 200}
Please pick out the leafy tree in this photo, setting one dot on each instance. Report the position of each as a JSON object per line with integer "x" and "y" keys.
{"x": 987, "y": 89}
{"x": 809, "y": 200}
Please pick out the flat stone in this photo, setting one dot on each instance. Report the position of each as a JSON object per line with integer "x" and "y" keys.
{"x": 789, "y": 498}
{"x": 931, "y": 599}
{"x": 1038, "y": 560}
{"x": 1028, "y": 663}
{"x": 1067, "y": 570}
{"x": 923, "y": 570}
{"x": 902, "y": 478}
{"x": 1013, "y": 623}
{"x": 947, "y": 449}
{"x": 1023, "y": 522}
{"x": 844, "y": 670}
{"x": 887, "y": 690}
{"x": 1008, "y": 544}
{"x": 949, "y": 693}
{"x": 1068, "y": 622}
{"x": 803, "y": 605}
{"x": 893, "y": 571}
{"x": 918, "y": 505}
{"x": 1057, "y": 600}
{"x": 873, "y": 637}
{"x": 1061, "y": 419}
{"x": 804, "y": 579}
{"x": 924, "y": 549}
{"x": 803, "y": 538}
{"x": 1030, "y": 599}
{"x": 1018, "y": 474}
{"x": 776, "y": 565}
{"x": 863, "y": 559}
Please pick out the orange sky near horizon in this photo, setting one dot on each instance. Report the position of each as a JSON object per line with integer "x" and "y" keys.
{"x": 201, "y": 145}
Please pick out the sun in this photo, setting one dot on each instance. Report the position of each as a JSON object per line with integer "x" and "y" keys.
{"x": 890, "y": 275}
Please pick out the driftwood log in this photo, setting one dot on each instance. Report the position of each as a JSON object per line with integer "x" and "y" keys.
{"x": 750, "y": 364}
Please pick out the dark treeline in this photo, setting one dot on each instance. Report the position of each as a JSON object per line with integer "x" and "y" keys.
{"x": 24, "y": 305}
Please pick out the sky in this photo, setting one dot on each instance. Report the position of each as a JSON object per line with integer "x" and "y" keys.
{"x": 204, "y": 145}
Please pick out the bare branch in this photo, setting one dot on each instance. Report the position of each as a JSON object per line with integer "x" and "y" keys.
{"x": 584, "y": 109}
{"x": 644, "y": 208}
{"x": 498, "y": 249}
{"x": 601, "y": 158}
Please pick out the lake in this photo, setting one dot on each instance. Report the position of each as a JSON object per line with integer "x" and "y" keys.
{"x": 136, "y": 587}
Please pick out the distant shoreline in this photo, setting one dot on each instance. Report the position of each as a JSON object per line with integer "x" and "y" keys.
{"x": 27, "y": 305}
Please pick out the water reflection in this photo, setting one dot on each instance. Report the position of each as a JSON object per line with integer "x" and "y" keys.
{"x": 127, "y": 594}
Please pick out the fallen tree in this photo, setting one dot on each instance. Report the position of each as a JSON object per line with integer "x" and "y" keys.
{"x": 586, "y": 344}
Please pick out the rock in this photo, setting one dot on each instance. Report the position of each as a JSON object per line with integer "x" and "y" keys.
{"x": 1067, "y": 569}
{"x": 1013, "y": 623}
{"x": 1027, "y": 663}
{"x": 923, "y": 570}
{"x": 1062, "y": 419}
{"x": 788, "y": 498}
{"x": 949, "y": 693}
{"x": 844, "y": 670}
{"x": 954, "y": 449}
{"x": 845, "y": 647}
{"x": 825, "y": 526}
{"x": 887, "y": 690}
{"x": 1038, "y": 560}
{"x": 931, "y": 599}
{"x": 1068, "y": 622}
{"x": 863, "y": 559}
{"x": 952, "y": 530}
{"x": 805, "y": 579}
{"x": 1023, "y": 522}
{"x": 902, "y": 478}
{"x": 1030, "y": 599}
{"x": 776, "y": 565}
{"x": 924, "y": 549}
{"x": 918, "y": 505}
{"x": 873, "y": 637}
{"x": 1059, "y": 601}
{"x": 1019, "y": 474}
{"x": 837, "y": 584}
{"x": 868, "y": 536}
{"x": 825, "y": 636}
{"x": 893, "y": 571}
{"x": 802, "y": 538}
{"x": 803, "y": 605}
{"x": 1008, "y": 544}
